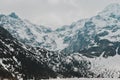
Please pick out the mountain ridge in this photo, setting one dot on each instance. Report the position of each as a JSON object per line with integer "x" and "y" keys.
{"x": 75, "y": 50}
{"x": 27, "y": 62}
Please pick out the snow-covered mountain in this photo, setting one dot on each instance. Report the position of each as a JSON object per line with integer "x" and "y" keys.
{"x": 82, "y": 49}
{"x": 97, "y": 38}
{"x": 80, "y": 35}
{"x": 101, "y": 29}
{"x": 27, "y": 32}
{"x": 27, "y": 62}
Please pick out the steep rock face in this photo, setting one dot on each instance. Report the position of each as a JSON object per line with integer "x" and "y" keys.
{"x": 21, "y": 60}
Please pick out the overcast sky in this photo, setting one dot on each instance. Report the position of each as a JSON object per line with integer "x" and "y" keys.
{"x": 54, "y": 13}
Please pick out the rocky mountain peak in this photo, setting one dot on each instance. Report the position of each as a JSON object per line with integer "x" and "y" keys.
{"x": 13, "y": 15}
{"x": 113, "y": 8}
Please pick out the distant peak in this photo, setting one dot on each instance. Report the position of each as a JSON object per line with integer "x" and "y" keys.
{"x": 113, "y": 8}
{"x": 13, "y": 15}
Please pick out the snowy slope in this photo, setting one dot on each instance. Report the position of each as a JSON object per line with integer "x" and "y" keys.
{"x": 27, "y": 32}
{"x": 24, "y": 61}
{"x": 97, "y": 38}
{"x": 104, "y": 26}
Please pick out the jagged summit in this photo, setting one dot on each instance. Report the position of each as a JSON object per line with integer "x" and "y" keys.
{"x": 13, "y": 15}
{"x": 113, "y": 8}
